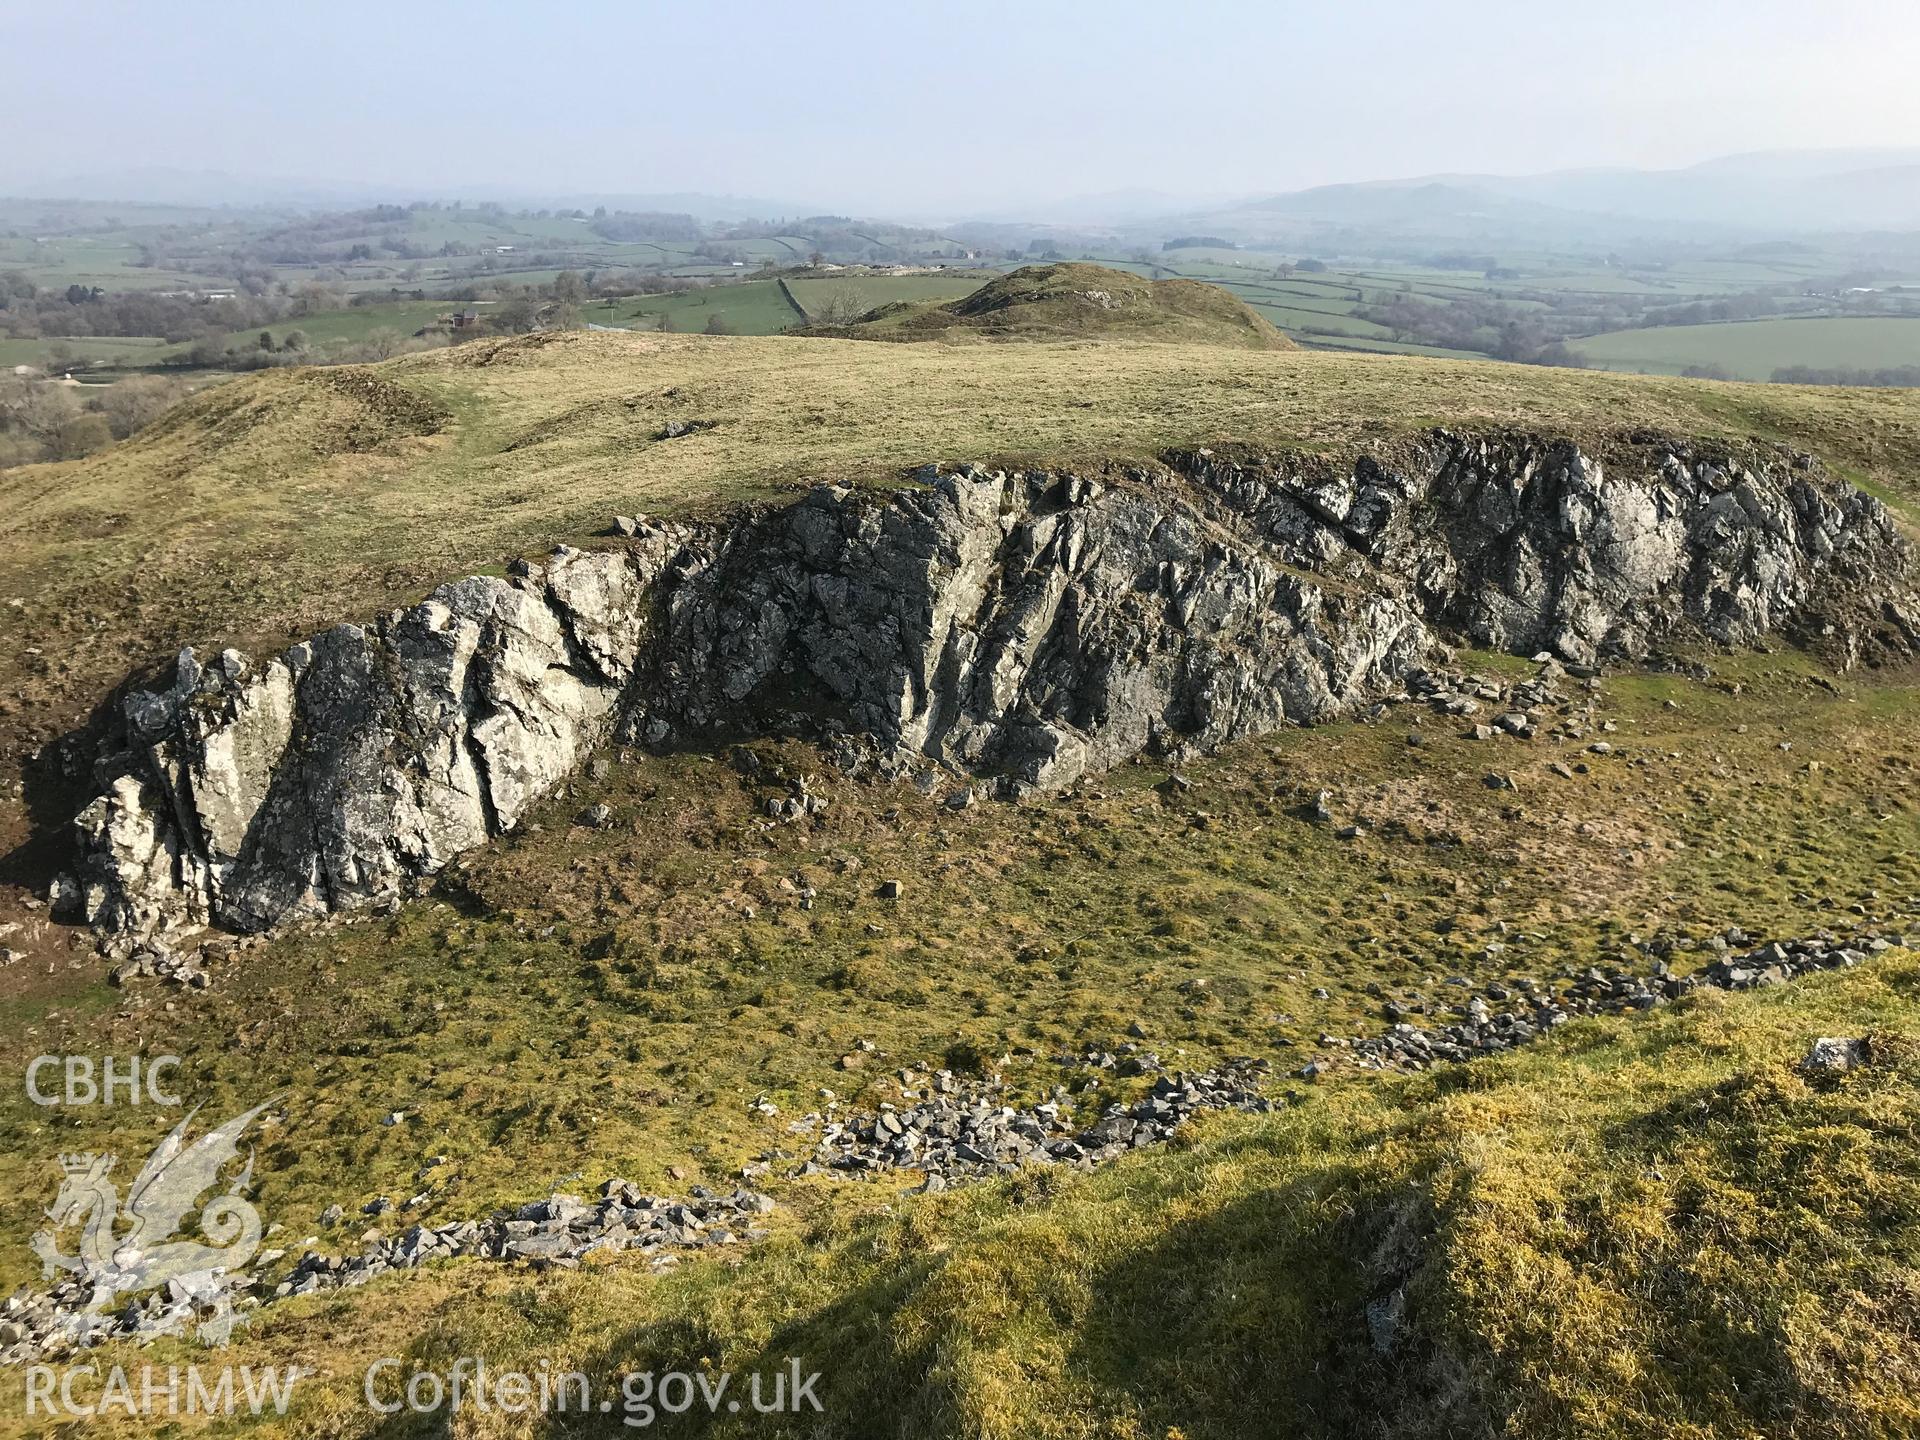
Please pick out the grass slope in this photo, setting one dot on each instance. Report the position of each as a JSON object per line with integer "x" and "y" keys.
{"x": 280, "y": 503}
{"x": 1078, "y": 301}
{"x": 1646, "y": 1227}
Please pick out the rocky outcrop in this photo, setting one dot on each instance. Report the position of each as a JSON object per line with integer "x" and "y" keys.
{"x": 1529, "y": 547}
{"x": 1026, "y": 627}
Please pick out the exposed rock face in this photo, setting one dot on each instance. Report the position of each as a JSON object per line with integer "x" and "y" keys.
{"x": 1538, "y": 547}
{"x": 362, "y": 757}
{"x": 1027, "y": 627}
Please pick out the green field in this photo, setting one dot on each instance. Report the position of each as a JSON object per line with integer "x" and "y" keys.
{"x": 877, "y": 290}
{"x": 1753, "y": 350}
{"x": 356, "y": 323}
{"x": 56, "y": 262}
{"x": 1318, "y": 308}
{"x": 1567, "y": 296}
{"x": 1298, "y": 321}
{"x": 752, "y": 307}
{"x": 1373, "y": 346}
{"x": 322, "y": 329}
{"x": 745, "y": 307}
{"x": 1513, "y": 304}
{"x": 89, "y": 350}
{"x": 60, "y": 243}
{"x": 761, "y": 307}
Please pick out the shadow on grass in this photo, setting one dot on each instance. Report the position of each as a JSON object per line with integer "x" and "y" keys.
{"x": 1254, "y": 1321}
{"x": 1251, "y": 1320}
{"x": 870, "y": 1384}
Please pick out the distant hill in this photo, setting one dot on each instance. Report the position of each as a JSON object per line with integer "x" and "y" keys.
{"x": 220, "y": 189}
{"x": 1762, "y": 194}
{"x": 1075, "y": 302}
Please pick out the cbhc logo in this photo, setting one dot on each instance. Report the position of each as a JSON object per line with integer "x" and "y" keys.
{"x": 116, "y": 1080}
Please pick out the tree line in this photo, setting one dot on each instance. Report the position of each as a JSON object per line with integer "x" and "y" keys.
{"x": 1897, "y": 376}
{"x": 44, "y": 419}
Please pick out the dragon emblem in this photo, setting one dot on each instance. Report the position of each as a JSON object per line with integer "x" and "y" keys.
{"x": 146, "y": 1255}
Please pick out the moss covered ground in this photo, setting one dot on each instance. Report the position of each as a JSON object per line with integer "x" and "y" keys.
{"x": 1648, "y": 1226}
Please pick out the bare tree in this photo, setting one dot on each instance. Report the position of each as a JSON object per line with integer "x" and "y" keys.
{"x": 515, "y": 315}
{"x": 38, "y": 409}
{"x": 382, "y": 343}
{"x": 843, "y": 306}
{"x": 86, "y": 433}
{"x": 138, "y": 401}
{"x": 313, "y": 297}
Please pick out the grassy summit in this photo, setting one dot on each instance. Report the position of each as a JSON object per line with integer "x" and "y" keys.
{"x": 1078, "y": 302}
{"x": 1653, "y": 1226}
{"x": 289, "y": 500}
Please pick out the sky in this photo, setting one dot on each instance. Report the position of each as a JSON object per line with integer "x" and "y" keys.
{"x": 943, "y": 110}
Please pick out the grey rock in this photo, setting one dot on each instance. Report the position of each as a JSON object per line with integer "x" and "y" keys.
{"x": 1497, "y": 1018}
{"x": 1021, "y": 627}
{"x": 1384, "y": 1316}
{"x": 1831, "y": 1055}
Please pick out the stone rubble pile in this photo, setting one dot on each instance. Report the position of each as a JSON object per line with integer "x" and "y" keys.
{"x": 965, "y": 1131}
{"x": 155, "y": 959}
{"x": 1519, "y": 708}
{"x": 799, "y": 803}
{"x": 555, "y": 1233}
{"x": 1504, "y": 1014}
{"x": 37, "y": 1325}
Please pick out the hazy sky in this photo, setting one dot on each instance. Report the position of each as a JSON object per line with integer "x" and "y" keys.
{"x": 960, "y": 107}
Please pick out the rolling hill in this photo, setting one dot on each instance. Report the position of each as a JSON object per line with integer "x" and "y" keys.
{"x": 1076, "y": 302}
{"x": 1767, "y": 194}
